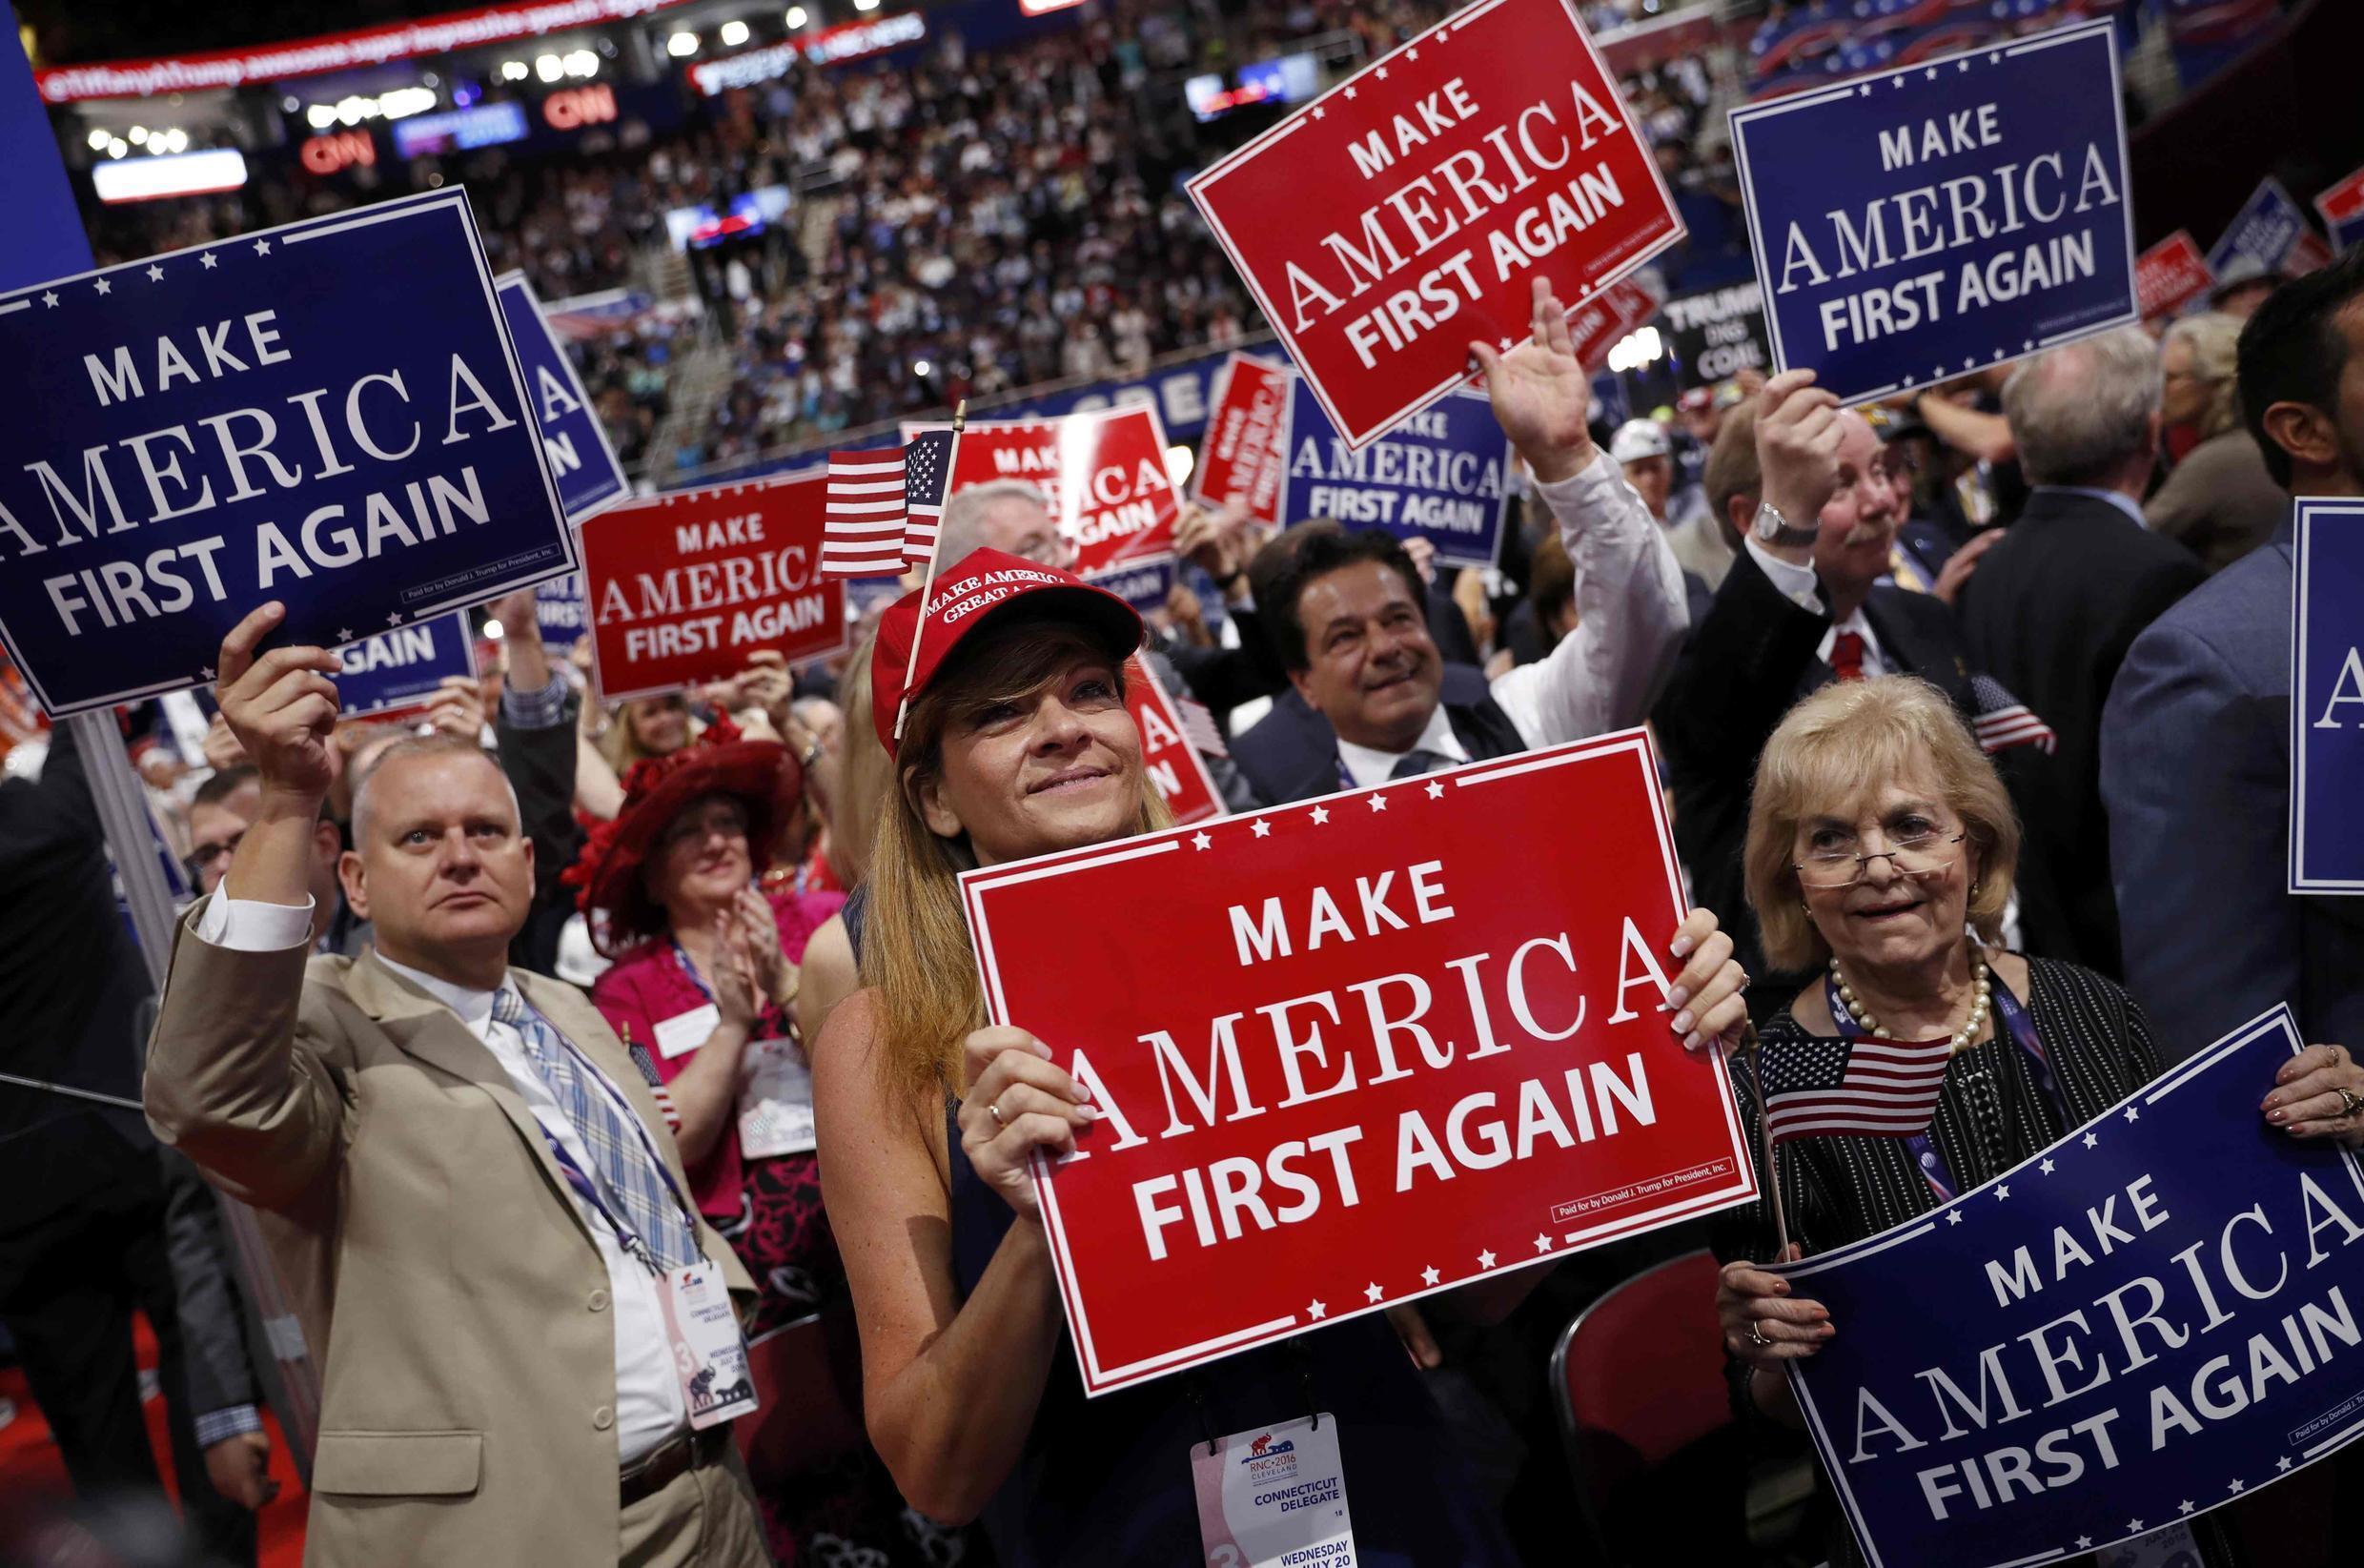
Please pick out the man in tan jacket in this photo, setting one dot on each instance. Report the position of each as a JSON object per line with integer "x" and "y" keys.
{"x": 462, "y": 1174}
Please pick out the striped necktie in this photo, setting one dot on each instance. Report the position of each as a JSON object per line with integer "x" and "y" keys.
{"x": 1416, "y": 761}
{"x": 629, "y": 1180}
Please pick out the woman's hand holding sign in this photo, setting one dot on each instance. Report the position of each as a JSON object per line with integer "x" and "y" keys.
{"x": 1764, "y": 1325}
{"x": 2319, "y": 1094}
{"x": 1707, "y": 998}
{"x": 1017, "y": 1102}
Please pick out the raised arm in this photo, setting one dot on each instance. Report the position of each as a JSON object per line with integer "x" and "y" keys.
{"x": 226, "y": 1083}
{"x": 1631, "y": 614}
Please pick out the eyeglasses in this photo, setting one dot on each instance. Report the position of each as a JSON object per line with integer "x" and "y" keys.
{"x": 206, "y": 854}
{"x": 1923, "y": 853}
{"x": 731, "y": 825}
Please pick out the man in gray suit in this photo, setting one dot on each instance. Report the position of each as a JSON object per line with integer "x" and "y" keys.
{"x": 2196, "y": 739}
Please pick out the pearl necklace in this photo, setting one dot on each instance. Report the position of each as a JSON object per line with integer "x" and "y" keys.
{"x": 1962, "y": 1037}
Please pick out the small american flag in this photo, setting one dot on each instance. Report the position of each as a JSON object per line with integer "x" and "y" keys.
{"x": 927, "y": 480}
{"x": 657, "y": 1090}
{"x": 1199, "y": 727}
{"x": 1883, "y": 1088}
{"x": 2003, "y": 720}
{"x": 862, "y": 515}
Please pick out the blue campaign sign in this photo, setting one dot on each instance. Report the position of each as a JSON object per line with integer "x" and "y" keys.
{"x": 327, "y": 414}
{"x": 2156, "y": 1315}
{"x": 1440, "y": 475}
{"x": 1912, "y": 226}
{"x": 2264, "y": 230}
{"x": 582, "y": 461}
{"x": 401, "y": 670}
{"x": 2327, "y": 698}
{"x": 559, "y": 611}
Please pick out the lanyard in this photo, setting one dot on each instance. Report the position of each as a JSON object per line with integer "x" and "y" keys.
{"x": 580, "y": 1180}
{"x": 689, "y": 970}
{"x": 2013, "y": 1018}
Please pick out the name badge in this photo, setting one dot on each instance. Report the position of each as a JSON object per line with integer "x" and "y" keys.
{"x": 708, "y": 1354}
{"x": 1274, "y": 1498}
{"x": 775, "y": 1102}
{"x": 684, "y": 1033}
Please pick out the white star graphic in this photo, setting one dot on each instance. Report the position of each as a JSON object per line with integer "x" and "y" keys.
{"x": 104, "y": 285}
{"x": 1372, "y": 1291}
{"x": 1350, "y": 92}
{"x": 2238, "y": 1485}
{"x": 1317, "y": 1310}
{"x": 1542, "y": 1244}
{"x": 262, "y": 247}
{"x": 1382, "y": 74}
{"x": 2133, "y": 1113}
{"x": 2027, "y": 342}
{"x": 1263, "y": 828}
{"x": 1485, "y": 1260}
{"x": 1863, "y": 90}
{"x": 50, "y": 299}
{"x": 1932, "y": 73}
{"x": 1436, "y": 789}
{"x": 1319, "y": 112}
{"x": 2002, "y": 1192}
{"x": 2045, "y": 1168}
{"x": 1379, "y": 803}
{"x": 1506, "y": 343}
{"x": 1996, "y": 58}
{"x": 1962, "y": 65}
{"x": 2184, "y": 1507}
{"x": 1968, "y": 363}
{"x": 1432, "y": 1274}
{"x": 1937, "y": 372}
{"x": 1998, "y": 353}
{"x": 209, "y": 260}
{"x": 1412, "y": 53}
{"x": 1896, "y": 81}
{"x": 2091, "y": 1139}
{"x": 1953, "y": 1216}
{"x": 344, "y": 633}
{"x": 205, "y": 672}
{"x": 2134, "y": 1525}
{"x": 2084, "y": 1543}
{"x": 1201, "y": 841}
{"x": 1321, "y": 814}
{"x": 155, "y": 273}
{"x": 395, "y": 619}
{"x": 2282, "y": 1463}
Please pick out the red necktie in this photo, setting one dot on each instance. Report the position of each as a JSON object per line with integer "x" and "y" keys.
{"x": 1847, "y": 655}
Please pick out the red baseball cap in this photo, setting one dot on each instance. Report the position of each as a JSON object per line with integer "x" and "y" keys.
{"x": 983, "y": 588}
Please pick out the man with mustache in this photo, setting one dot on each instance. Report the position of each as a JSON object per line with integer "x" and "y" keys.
{"x": 1346, "y": 609}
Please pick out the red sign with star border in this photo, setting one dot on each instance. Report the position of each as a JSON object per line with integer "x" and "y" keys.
{"x": 1176, "y": 769}
{"x": 2170, "y": 275}
{"x": 1356, "y": 1050}
{"x": 1408, "y": 210}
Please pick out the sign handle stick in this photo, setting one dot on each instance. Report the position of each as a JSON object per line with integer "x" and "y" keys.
{"x": 935, "y": 547}
{"x": 1754, "y": 1050}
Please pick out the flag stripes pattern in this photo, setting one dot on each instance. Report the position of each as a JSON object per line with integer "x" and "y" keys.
{"x": 1883, "y": 1088}
{"x": 1198, "y": 725}
{"x": 2003, "y": 720}
{"x": 863, "y": 515}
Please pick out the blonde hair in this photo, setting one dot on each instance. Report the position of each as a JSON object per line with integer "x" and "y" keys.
{"x": 620, "y": 746}
{"x": 1831, "y": 756}
{"x": 916, "y": 947}
{"x": 2214, "y": 340}
{"x": 866, "y": 775}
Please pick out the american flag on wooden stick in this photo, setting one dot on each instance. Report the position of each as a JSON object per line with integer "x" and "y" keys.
{"x": 863, "y": 514}
{"x": 2003, "y": 720}
{"x": 1883, "y": 1088}
{"x": 926, "y": 482}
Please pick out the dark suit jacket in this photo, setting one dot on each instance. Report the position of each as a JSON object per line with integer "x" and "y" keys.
{"x": 1292, "y": 753}
{"x": 2049, "y": 613}
{"x": 1748, "y": 661}
{"x": 2195, "y": 773}
{"x": 541, "y": 765}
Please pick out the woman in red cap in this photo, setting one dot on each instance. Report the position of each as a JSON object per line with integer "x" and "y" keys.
{"x": 705, "y": 978}
{"x": 1015, "y": 740}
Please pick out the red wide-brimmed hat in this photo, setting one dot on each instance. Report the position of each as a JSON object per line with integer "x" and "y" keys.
{"x": 759, "y": 774}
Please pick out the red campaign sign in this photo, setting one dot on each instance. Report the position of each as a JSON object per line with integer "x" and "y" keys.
{"x": 2170, "y": 275}
{"x": 1104, "y": 470}
{"x": 681, "y": 588}
{"x": 1355, "y": 1050}
{"x": 1599, "y": 324}
{"x": 1409, "y": 210}
{"x": 1176, "y": 769}
{"x": 2308, "y": 254}
{"x": 1244, "y": 456}
{"x": 2342, "y": 203}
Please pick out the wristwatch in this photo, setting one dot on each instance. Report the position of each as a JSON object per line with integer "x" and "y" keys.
{"x": 1772, "y": 528}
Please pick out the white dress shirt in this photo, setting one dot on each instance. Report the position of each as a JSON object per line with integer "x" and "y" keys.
{"x": 1631, "y": 616}
{"x": 1797, "y": 584}
{"x": 648, "y": 1395}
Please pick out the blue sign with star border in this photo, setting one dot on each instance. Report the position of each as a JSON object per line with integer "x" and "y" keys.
{"x": 329, "y": 413}
{"x": 2157, "y": 1315}
{"x": 2327, "y": 698}
{"x": 1919, "y": 224}
{"x": 402, "y": 670}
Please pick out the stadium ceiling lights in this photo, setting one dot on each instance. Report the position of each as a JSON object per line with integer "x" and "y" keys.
{"x": 157, "y": 143}
{"x": 797, "y": 17}
{"x": 866, "y": 5}
{"x": 733, "y": 34}
{"x": 399, "y": 104}
{"x": 681, "y": 45}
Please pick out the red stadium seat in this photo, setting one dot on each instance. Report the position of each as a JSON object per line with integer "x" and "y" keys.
{"x": 1660, "y": 1469}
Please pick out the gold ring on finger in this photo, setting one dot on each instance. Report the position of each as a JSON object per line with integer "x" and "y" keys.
{"x": 1756, "y": 1333}
{"x": 2350, "y": 1103}
{"x": 993, "y": 1108}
